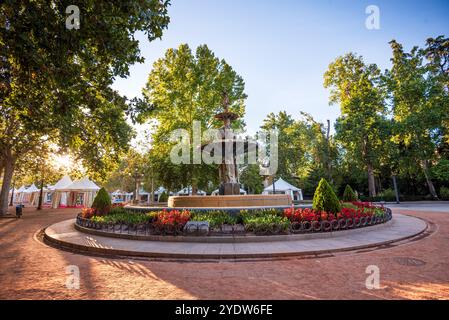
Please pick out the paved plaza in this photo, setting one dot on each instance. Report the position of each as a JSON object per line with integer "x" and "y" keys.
{"x": 416, "y": 269}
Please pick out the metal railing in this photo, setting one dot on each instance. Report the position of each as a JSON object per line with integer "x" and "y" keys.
{"x": 146, "y": 229}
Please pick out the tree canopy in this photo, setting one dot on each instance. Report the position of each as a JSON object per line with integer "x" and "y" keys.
{"x": 184, "y": 87}
{"x": 56, "y": 82}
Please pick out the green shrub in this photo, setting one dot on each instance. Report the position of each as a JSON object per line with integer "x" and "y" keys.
{"x": 387, "y": 195}
{"x": 117, "y": 210}
{"x": 152, "y": 216}
{"x": 348, "y": 205}
{"x": 163, "y": 197}
{"x": 349, "y": 194}
{"x": 216, "y": 218}
{"x": 444, "y": 193}
{"x": 325, "y": 198}
{"x": 124, "y": 218}
{"x": 266, "y": 224}
{"x": 102, "y": 202}
{"x": 262, "y": 212}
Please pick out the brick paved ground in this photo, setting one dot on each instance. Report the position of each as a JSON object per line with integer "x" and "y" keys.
{"x": 32, "y": 270}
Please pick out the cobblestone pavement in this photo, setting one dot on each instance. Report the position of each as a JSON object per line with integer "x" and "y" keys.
{"x": 32, "y": 270}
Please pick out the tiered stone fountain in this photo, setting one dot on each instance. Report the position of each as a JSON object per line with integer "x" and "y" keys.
{"x": 229, "y": 189}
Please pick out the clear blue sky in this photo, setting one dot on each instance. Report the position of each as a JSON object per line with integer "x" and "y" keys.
{"x": 282, "y": 48}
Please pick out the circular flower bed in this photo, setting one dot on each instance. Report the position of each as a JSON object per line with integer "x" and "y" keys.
{"x": 220, "y": 222}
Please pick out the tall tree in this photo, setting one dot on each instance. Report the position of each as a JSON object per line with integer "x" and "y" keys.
{"x": 417, "y": 103}
{"x": 289, "y": 151}
{"x": 55, "y": 81}
{"x": 251, "y": 179}
{"x": 355, "y": 86}
{"x": 305, "y": 150}
{"x": 184, "y": 87}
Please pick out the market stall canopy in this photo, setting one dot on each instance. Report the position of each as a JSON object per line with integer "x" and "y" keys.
{"x": 217, "y": 191}
{"x": 32, "y": 189}
{"x": 117, "y": 193}
{"x": 143, "y": 192}
{"x": 188, "y": 190}
{"x": 83, "y": 184}
{"x": 63, "y": 183}
{"x": 121, "y": 193}
{"x": 281, "y": 185}
{"x": 161, "y": 190}
{"x": 49, "y": 188}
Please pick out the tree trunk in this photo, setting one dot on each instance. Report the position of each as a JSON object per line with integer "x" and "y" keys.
{"x": 328, "y": 156}
{"x": 11, "y": 201}
{"x": 136, "y": 192}
{"x": 425, "y": 167}
{"x": 2, "y": 167}
{"x": 41, "y": 195}
{"x": 193, "y": 180}
{"x": 396, "y": 192}
{"x": 371, "y": 181}
{"x": 7, "y": 178}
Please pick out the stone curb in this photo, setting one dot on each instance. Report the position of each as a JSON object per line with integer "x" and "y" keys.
{"x": 111, "y": 252}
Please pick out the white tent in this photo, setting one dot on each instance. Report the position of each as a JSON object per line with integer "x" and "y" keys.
{"x": 160, "y": 191}
{"x": 30, "y": 195}
{"x": 283, "y": 187}
{"x": 18, "y": 194}
{"x": 32, "y": 189}
{"x": 47, "y": 195}
{"x": 119, "y": 196}
{"x": 79, "y": 193}
{"x": 217, "y": 191}
{"x": 63, "y": 183}
{"x": 83, "y": 184}
{"x": 188, "y": 192}
{"x": 60, "y": 193}
{"x": 143, "y": 196}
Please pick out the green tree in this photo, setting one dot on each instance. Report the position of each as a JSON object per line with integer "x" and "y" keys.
{"x": 418, "y": 105}
{"x": 289, "y": 149}
{"x": 360, "y": 128}
{"x": 131, "y": 164}
{"x": 349, "y": 194}
{"x": 252, "y": 180}
{"x": 440, "y": 171}
{"x": 163, "y": 197}
{"x": 306, "y": 151}
{"x": 102, "y": 202}
{"x": 325, "y": 198}
{"x": 184, "y": 87}
{"x": 56, "y": 82}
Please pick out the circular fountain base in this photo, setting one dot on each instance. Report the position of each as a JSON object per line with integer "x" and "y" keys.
{"x": 274, "y": 200}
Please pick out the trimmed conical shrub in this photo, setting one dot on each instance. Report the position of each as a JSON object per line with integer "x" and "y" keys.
{"x": 325, "y": 198}
{"x": 102, "y": 202}
{"x": 349, "y": 194}
{"x": 163, "y": 197}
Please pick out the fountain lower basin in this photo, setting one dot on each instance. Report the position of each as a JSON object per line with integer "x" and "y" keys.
{"x": 230, "y": 201}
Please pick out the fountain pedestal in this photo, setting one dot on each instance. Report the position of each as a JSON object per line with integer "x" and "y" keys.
{"x": 229, "y": 189}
